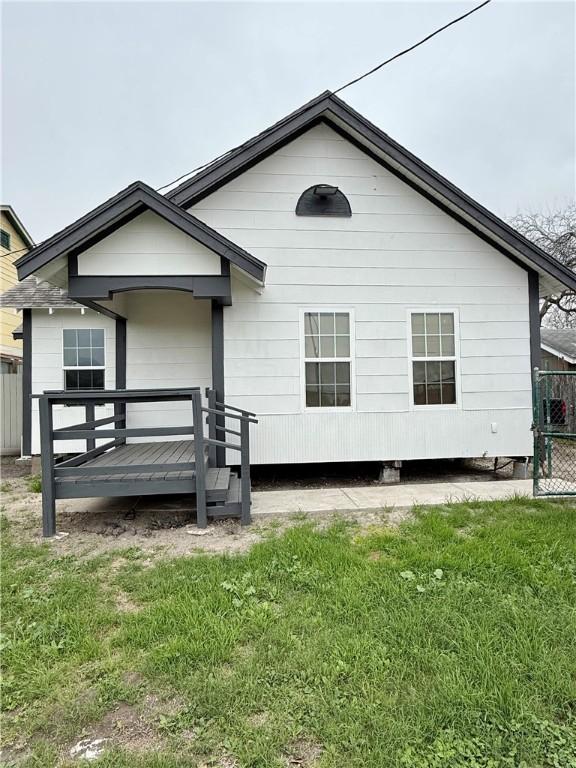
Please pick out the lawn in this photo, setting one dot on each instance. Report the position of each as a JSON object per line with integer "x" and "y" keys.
{"x": 445, "y": 643}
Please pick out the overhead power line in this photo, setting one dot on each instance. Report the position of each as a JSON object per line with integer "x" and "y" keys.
{"x": 10, "y": 253}
{"x": 412, "y": 47}
{"x": 356, "y": 80}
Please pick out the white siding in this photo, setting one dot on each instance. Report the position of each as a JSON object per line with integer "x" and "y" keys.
{"x": 168, "y": 343}
{"x": 148, "y": 245}
{"x": 168, "y": 340}
{"x": 396, "y": 251}
{"x": 47, "y": 370}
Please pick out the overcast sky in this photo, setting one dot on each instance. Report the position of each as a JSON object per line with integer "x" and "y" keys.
{"x": 96, "y": 95}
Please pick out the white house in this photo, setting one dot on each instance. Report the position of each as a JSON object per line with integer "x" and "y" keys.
{"x": 320, "y": 276}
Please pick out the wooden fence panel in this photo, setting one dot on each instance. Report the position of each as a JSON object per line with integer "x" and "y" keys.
{"x": 11, "y": 413}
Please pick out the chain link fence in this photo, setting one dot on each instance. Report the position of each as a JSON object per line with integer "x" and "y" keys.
{"x": 554, "y": 403}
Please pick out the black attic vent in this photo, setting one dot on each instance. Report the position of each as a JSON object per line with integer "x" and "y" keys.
{"x": 323, "y": 200}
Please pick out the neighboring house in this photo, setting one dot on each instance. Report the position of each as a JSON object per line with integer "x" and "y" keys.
{"x": 14, "y": 242}
{"x": 320, "y": 276}
{"x": 558, "y": 349}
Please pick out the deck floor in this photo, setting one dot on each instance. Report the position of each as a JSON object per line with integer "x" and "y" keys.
{"x": 167, "y": 452}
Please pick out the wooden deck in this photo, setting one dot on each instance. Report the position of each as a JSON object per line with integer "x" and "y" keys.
{"x": 158, "y": 453}
{"x": 111, "y": 465}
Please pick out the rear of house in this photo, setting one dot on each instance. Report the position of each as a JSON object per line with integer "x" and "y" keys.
{"x": 320, "y": 277}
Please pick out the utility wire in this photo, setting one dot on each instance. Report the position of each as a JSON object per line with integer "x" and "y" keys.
{"x": 412, "y": 47}
{"x": 356, "y": 80}
{"x": 27, "y": 248}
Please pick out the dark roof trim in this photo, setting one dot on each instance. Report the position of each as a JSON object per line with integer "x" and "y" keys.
{"x": 120, "y": 209}
{"x": 331, "y": 109}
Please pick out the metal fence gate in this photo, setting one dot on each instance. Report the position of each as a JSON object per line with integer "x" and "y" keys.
{"x": 554, "y": 403}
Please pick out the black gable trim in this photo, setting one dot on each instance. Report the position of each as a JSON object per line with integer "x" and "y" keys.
{"x": 117, "y": 212}
{"x": 342, "y": 118}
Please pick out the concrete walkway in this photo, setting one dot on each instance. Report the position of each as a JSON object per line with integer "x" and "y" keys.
{"x": 381, "y": 496}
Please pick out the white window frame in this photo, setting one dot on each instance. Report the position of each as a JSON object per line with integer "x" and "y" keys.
{"x": 82, "y": 367}
{"x": 352, "y": 360}
{"x": 456, "y": 358}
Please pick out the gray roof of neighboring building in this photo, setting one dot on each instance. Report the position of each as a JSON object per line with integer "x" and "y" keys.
{"x": 36, "y": 294}
{"x": 560, "y": 342}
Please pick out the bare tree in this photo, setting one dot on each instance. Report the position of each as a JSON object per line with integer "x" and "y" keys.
{"x": 555, "y": 233}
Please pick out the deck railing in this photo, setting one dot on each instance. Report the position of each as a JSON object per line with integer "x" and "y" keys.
{"x": 93, "y": 429}
{"x": 217, "y": 413}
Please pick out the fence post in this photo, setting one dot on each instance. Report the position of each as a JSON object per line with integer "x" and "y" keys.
{"x": 211, "y": 396}
{"x": 245, "y": 471}
{"x": 537, "y": 432}
{"x": 47, "y": 463}
{"x": 201, "y": 514}
{"x": 90, "y": 416}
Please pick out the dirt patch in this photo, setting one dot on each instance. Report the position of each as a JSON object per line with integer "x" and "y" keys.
{"x": 258, "y": 720}
{"x": 124, "y": 604}
{"x": 303, "y": 754}
{"x": 125, "y": 727}
{"x": 12, "y": 468}
{"x": 286, "y": 477}
{"x": 156, "y": 526}
{"x": 128, "y": 726}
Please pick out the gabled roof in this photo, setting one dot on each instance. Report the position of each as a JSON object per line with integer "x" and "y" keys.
{"x": 8, "y": 211}
{"x": 120, "y": 209}
{"x": 32, "y": 293}
{"x": 330, "y": 109}
{"x": 560, "y": 342}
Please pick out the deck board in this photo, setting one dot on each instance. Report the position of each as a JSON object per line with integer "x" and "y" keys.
{"x": 165, "y": 452}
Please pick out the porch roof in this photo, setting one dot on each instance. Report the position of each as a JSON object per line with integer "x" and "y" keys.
{"x": 117, "y": 211}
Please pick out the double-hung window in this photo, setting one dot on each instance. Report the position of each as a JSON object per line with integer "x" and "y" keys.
{"x": 83, "y": 358}
{"x": 434, "y": 373}
{"x": 327, "y": 359}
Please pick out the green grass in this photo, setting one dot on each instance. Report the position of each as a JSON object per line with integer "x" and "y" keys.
{"x": 450, "y": 643}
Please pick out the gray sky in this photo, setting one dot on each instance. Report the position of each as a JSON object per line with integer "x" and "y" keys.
{"x": 96, "y": 95}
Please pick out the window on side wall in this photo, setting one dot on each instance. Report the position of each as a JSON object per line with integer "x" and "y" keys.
{"x": 434, "y": 358}
{"x": 83, "y": 358}
{"x": 328, "y": 359}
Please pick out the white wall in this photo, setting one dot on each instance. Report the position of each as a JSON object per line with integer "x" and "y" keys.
{"x": 47, "y": 370}
{"x": 168, "y": 337}
{"x": 168, "y": 340}
{"x": 148, "y": 245}
{"x": 397, "y": 251}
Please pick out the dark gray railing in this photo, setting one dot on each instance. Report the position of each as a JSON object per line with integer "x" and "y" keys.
{"x": 217, "y": 413}
{"x": 93, "y": 429}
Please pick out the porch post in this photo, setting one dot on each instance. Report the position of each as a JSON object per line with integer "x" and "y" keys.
{"x": 26, "y": 382}
{"x": 120, "y": 408}
{"x": 218, "y": 371}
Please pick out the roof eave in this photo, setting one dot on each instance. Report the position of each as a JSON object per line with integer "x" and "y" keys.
{"x": 116, "y": 212}
{"x": 333, "y": 110}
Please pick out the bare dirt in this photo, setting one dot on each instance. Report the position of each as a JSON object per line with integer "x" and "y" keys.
{"x": 158, "y": 526}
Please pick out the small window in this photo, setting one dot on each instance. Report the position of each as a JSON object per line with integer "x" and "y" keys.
{"x": 323, "y": 200}
{"x": 4, "y": 239}
{"x": 434, "y": 358}
{"x": 327, "y": 359}
{"x": 83, "y": 358}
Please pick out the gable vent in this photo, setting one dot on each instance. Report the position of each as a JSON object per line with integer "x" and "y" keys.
{"x": 323, "y": 200}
